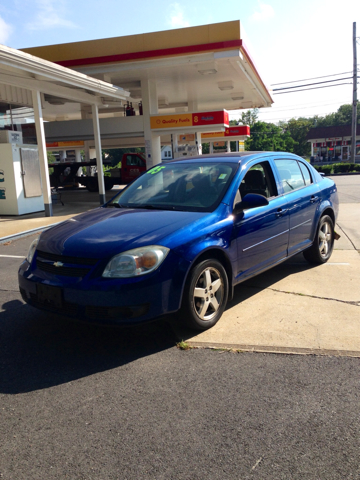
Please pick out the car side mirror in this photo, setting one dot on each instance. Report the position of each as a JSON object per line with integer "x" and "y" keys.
{"x": 250, "y": 200}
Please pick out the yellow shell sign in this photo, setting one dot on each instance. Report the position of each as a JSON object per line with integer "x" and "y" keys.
{"x": 171, "y": 121}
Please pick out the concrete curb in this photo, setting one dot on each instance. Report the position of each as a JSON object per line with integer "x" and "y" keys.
{"x": 274, "y": 349}
{"x": 26, "y": 233}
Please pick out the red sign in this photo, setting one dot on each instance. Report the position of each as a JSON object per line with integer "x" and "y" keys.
{"x": 211, "y": 118}
{"x": 237, "y": 131}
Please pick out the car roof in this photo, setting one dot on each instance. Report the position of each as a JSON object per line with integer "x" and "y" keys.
{"x": 232, "y": 157}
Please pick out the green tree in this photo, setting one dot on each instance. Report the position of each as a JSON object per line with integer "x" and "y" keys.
{"x": 269, "y": 137}
{"x": 298, "y": 130}
{"x": 250, "y": 117}
{"x": 343, "y": 116}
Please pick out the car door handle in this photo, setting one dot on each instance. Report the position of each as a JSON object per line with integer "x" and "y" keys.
{"x": 280, "y": 212}
{"x": 314, "y": 198}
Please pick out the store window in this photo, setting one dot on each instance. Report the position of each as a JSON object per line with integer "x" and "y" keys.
{"x": 338, "y": 153}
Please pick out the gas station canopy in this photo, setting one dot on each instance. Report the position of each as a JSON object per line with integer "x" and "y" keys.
{"x": 21, "y": 72}
{"x": 202, "y": 68}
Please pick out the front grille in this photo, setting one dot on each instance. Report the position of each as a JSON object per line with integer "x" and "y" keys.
{"x": 65, "y": 259}
{"x": 76, "y": 266}
{"x": 64, "y": 271}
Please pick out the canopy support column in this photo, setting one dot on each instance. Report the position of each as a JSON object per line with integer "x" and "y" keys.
{"x": 40, "y": 138}
{"x": 99, "y": 163}
{"x": 198, "y": 143}
{"x": 150, "y": 107}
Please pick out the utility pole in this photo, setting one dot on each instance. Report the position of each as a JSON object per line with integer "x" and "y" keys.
{"x": 354, "y": 113}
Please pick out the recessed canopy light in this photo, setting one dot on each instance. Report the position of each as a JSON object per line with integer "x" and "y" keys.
{"x": 226, "y": 85}
{"x": 208, "y": 71}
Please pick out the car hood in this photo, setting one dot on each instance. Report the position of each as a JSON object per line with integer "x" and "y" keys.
{"x": 104, "y": 232}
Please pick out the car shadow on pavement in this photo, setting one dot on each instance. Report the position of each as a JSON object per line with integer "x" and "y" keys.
{"x": 40, "y": 350}
{"x": 248, "y": 288}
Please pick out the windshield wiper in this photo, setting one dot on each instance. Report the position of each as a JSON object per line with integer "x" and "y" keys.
{"x": 150, "y": 206}
{"x": 116, "y": 205}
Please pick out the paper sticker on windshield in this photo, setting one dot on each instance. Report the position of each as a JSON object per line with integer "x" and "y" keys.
{"x": 155, "y": 170}
{"x": 222, "y": 176}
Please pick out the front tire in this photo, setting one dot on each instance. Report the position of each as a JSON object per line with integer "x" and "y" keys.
{"x": 323, "y": 245}
{"x": 205, "y": 295}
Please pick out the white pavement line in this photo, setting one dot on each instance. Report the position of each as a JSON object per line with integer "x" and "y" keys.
{"x": 327, "y": 263}
{"x": 339, "y": 263}
{"x": 11, "y": 256}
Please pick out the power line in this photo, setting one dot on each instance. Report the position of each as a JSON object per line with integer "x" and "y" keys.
{"x": 315, "y": 88}
{"x": 308, "y": 84}
{"x": 314, "y": 78}
{"x": 300, "y": 106}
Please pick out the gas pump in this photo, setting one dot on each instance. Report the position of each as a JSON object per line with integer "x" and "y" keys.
{"x": 20, "y": 180}
{"x": 185, "y": 146}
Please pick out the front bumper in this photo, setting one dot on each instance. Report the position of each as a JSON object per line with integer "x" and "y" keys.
{"x": 108, "y": 301}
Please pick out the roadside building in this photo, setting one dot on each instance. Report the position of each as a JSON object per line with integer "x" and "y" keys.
{"x": 333, "y": 144}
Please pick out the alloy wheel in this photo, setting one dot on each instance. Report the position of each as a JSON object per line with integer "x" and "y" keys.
{"x": 208, "y": 293}
{"x": 325, "y": 239}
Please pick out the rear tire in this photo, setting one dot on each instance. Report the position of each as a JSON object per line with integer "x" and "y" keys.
{"x": 92, "y": 185}
{"x": 323, "y": 245}
{"x": 205, "y": 295}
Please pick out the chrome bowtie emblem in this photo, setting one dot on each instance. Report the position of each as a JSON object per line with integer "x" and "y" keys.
{"x": 58, "y": 264}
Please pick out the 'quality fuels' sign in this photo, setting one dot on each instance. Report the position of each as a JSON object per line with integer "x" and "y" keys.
{"x": 189, "y": 120}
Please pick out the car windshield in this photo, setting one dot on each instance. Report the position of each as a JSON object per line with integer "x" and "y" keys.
{"x": 197, "y": 187}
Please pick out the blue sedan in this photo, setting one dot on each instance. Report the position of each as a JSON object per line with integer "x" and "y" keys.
{"x": 180, "y": 237}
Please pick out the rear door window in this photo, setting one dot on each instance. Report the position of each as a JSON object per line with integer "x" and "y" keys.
{"x": 290, "y": 175}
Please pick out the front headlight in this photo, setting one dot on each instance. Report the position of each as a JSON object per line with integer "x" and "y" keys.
{"x": 32, "y": 250}
{"x": 138, "y": 261}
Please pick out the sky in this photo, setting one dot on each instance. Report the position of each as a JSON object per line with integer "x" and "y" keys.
{"x": 289, "y": 41}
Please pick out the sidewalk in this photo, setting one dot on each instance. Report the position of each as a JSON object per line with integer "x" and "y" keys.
{"x": 75, "y": 202}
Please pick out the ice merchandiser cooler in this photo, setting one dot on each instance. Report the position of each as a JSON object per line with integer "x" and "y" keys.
{"x": 20, "y": 181}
